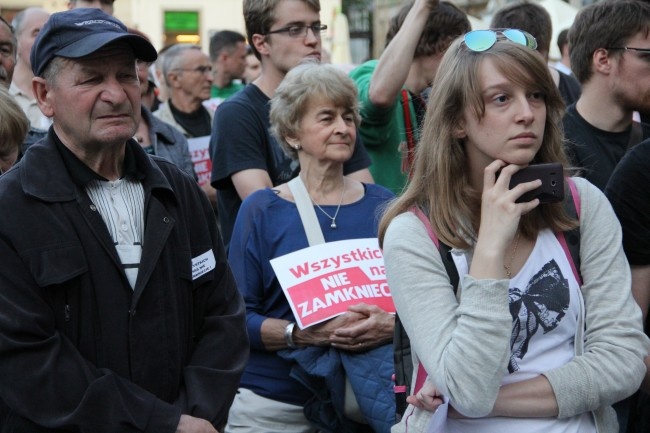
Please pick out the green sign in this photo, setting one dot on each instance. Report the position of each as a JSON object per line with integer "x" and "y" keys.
{"x": 181, "y": 21}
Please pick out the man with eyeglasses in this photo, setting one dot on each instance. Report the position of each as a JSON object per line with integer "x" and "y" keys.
{"x": 610, "y": 56}
{"x": 188, "y": 76}
{"x": 390, "y": 89}
{"x": 245, "y": 157}
{"x": 7, "y": 53}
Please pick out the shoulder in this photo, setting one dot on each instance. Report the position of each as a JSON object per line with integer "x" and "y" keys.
{"x": 403, "y": 229}
{"x": 248, "y": 103}
{"x": 363, "y": 70}
{"x": 259, "y": 201}
{"x": 378, "y": 191}
{"x": 596, "y": 212}
{"x": 587, "y": 191}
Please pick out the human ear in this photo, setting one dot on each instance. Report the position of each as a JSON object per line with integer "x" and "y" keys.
{"x": 259, "y": 42}
{"x": 293, "y": 142}
{"x": 41, "y": 90}
{"x": 459, "y": 131}
{"x": 601, "y": 61}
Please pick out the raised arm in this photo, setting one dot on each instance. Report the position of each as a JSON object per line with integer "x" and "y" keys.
{"x": 396, "y": 60}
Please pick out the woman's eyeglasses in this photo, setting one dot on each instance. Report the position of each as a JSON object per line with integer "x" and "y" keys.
{"x": 481, "y": 40}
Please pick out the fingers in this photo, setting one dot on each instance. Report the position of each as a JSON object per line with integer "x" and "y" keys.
{"x": 425, "y": 401}
{"x": 490, "y": 173}
{"x": 352, "y": 345}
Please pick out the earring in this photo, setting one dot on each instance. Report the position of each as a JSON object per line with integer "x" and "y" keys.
{"x": 297, "y": 147}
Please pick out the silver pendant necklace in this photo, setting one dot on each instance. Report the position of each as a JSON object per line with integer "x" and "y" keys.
{"x": 333, "y": 218}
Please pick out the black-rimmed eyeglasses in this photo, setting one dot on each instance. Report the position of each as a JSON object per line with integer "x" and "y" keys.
{"x": 296, "y": 31}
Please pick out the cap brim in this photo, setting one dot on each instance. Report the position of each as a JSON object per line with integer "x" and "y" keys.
{"x": 142, "y": 49}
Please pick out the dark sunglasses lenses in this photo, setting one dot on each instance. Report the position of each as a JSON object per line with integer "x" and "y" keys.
{"x": 481, "y": 40}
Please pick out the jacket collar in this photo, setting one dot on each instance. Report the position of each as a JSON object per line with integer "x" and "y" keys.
{"x": 161, "y": 129}
{"x": 46, "y": 175}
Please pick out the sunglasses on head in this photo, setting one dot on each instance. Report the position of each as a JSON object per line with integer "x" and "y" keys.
{"x": 481, "y": 40}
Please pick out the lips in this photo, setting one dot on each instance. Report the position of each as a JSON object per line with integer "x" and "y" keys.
{"x": 525, "y": 135}
{"x": 315, "y": 55}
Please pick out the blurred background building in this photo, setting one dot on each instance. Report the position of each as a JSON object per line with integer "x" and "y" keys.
{"x": 357, "y": 27}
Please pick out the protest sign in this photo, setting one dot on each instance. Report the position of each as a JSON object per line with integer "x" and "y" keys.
{"x": 200, "y": 151}
{"x": 322, "y": 281}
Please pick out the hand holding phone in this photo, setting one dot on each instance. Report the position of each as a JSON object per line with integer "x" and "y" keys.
{"x": 552, "y": 177}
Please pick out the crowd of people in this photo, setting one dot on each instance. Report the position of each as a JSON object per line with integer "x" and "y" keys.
{"x": 139, "y": 297}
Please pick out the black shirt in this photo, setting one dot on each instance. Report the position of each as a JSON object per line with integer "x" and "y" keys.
{"x": 594, "y": 151}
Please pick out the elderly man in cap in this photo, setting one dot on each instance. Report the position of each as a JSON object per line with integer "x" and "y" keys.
{"x": 118, "y": 311}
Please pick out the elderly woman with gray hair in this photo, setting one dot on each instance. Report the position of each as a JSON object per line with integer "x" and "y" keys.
{"x": 314, "y": 115}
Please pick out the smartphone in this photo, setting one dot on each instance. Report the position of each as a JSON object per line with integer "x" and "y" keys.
{"x": 552, "y": 177}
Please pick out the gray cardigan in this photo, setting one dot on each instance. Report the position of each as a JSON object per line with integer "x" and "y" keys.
{"x": 444, "y": 331}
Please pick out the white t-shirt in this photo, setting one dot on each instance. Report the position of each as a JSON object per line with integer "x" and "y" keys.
{"x": 545, "y": 303}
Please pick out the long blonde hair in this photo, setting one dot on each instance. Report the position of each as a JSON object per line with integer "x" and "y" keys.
{"x": 440, "y": 184}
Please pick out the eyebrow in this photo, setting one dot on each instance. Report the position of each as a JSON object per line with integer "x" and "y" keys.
{"x": 300, "y": 23}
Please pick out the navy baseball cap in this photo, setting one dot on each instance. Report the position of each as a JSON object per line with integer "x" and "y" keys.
{"x": 80, "y": 32}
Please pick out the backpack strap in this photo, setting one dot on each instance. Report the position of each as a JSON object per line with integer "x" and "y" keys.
{"x": 570, "y": 240}
{"x": 452, "y": 272}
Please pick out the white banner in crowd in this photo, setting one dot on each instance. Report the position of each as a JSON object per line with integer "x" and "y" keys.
{"x": 200, "y": 151}
{"x": 322, "y": 281}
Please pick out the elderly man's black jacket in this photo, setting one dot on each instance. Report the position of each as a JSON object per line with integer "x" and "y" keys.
{"x": 80, "y": 350}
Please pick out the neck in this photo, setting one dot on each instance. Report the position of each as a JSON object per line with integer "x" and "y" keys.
{"x": 269, "y": 80}
{"x": 221, "y": 80}
{"x": 602, "y": 111}
{"x": 185, "y": 104}
{"x": 324, "y": 184}
{"x": 23, "y": 78}
{"x": 105, "y": 159}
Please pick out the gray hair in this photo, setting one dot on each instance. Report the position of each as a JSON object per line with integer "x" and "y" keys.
{"x": 13, "y": 123}
{"x": 171, "y": 59}
{"x": 299, "y": 87}
{"x": 53, "y": 69}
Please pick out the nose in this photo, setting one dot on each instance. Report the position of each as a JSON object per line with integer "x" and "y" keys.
{"x": 341, "y": 126}
{"x": 525, "y": 113}
{"x": 312, "y": 37}
{"x": 113, "y": 91}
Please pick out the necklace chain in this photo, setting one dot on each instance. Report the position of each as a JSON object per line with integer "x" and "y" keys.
{"x": 508, "y": 267}
{"x": 333, "y": 218}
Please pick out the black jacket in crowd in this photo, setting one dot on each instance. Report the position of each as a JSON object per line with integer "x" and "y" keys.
{"x": 80, "y": 350}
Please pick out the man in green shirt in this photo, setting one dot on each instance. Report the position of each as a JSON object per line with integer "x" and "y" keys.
{"x": 390, "y": 88}
{"x": 228, "y": 57}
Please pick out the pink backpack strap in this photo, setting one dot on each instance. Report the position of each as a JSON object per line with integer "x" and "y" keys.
{"x": 422, "y": 373}
{"x": 425, "y": 220}
{"x": 560, "y": 235}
